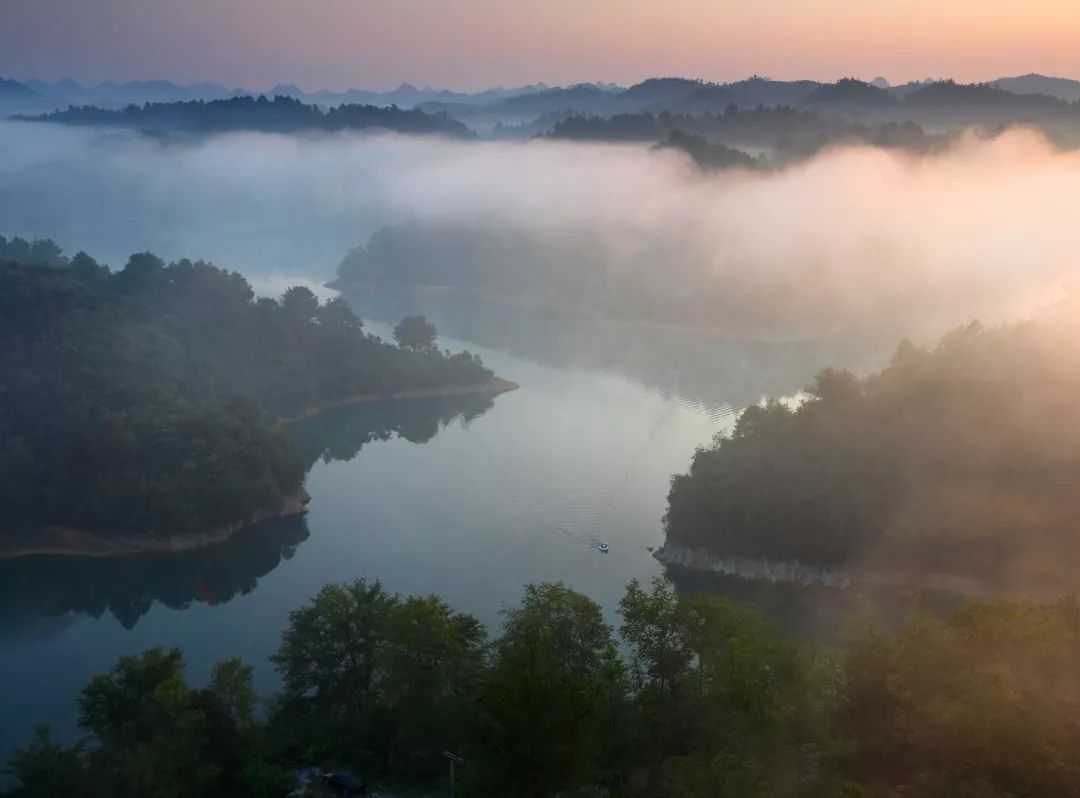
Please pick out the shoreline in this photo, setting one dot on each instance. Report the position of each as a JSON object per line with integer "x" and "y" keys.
{"x": 69, "y": 542}
{"x": 493, "y": 387}
{"x": 793, "y": 572}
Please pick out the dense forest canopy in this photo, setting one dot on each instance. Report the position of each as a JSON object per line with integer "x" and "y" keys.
{"x": 145, "y": 401}
{"x": 789, "y": 133}
{"x": 695, "y": 697}
{"x": 281, "y": 114}
{"x": 959, "y": 459}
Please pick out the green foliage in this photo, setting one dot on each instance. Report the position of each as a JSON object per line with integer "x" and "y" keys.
{"x": 39, "y": 252}
{"x": 982, "y": 704}
{"x": 231, "y": 689}
{"x": 45, "y": 769}
{"x": 150, "y": 734}
{"x": 957, "y": 460}
{"x": 144, "y": 402}
{"x": 715, "y": 687}
{"x": 552, "y": 679}
{"x": 373, "y": 680}
{"x": 416, "y": 333}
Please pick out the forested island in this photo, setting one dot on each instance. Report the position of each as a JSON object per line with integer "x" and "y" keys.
{"x": 958, "y": 460}
{"x": 695, "y": 697}
{"x": 140, "y": 409}
{"x": 279, "y": 115}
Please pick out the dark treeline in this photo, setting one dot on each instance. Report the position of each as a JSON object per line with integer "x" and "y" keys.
{"x": 961, "y": 459}
{"x": 711, "y": 155}
{"x": 850, "y": 92}
{"x": 790, "y": 132}
{"x": 949, "y": 93}
{"x": 931, "y": 103}
{"x": 281, "y": 114}
{"x": 38, "y": 252}
{"x": 706, "y": 699}
{"x": 144, "y": 401}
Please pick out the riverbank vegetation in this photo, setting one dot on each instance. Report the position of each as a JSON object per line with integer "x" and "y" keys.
{"x": 145, "y": 401}
{"x": 702, "y": 698}
{"x": 958, "y": 459}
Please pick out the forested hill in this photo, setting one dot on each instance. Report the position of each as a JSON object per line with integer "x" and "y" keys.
{"x": 962, "y": 459}
{"x": 281, "y": 114}
{"x": 145, "y": 401}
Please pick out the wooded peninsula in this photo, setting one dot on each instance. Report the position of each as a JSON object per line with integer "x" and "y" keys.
{"x": 140, "y": 409}
{"x": 960, "y": 459}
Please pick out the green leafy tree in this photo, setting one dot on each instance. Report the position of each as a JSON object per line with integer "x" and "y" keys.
{"x": 552, "y": 680}
{"x": 416, "y": 333}
{"x": 231, "y": 686}
{"x": 337, "y": 315}
{"x": 714, "y": 690}
{"x": 329, "y": 660}
{"x": 142, "y": 273}
{"x": 45, "y": 769}
{"x": 430, "y": 668}
{"x": 300, "y": 304}
{"x": 983, "y": 703}
{"x": 149, "y": 735}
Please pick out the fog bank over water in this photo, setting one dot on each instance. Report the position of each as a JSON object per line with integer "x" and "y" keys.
{"x": 851, "y": 238}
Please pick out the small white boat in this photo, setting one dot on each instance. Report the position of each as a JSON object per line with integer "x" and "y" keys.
{"x": 603, "y": 548}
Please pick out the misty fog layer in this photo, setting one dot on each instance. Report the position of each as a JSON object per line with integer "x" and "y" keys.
{"x": 852, "y": 237}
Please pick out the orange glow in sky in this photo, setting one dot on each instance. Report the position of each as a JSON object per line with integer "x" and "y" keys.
{"x": 470, "y": 44}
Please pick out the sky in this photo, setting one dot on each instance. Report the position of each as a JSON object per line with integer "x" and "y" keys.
{"x": 474, "y": 44}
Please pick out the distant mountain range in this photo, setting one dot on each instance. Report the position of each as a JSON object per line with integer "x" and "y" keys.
{"x": 666, "y": 92}
{"x": 534, "y": 109}
{"x": 63, "y": 93}
{"x": 1062, "y": 88}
